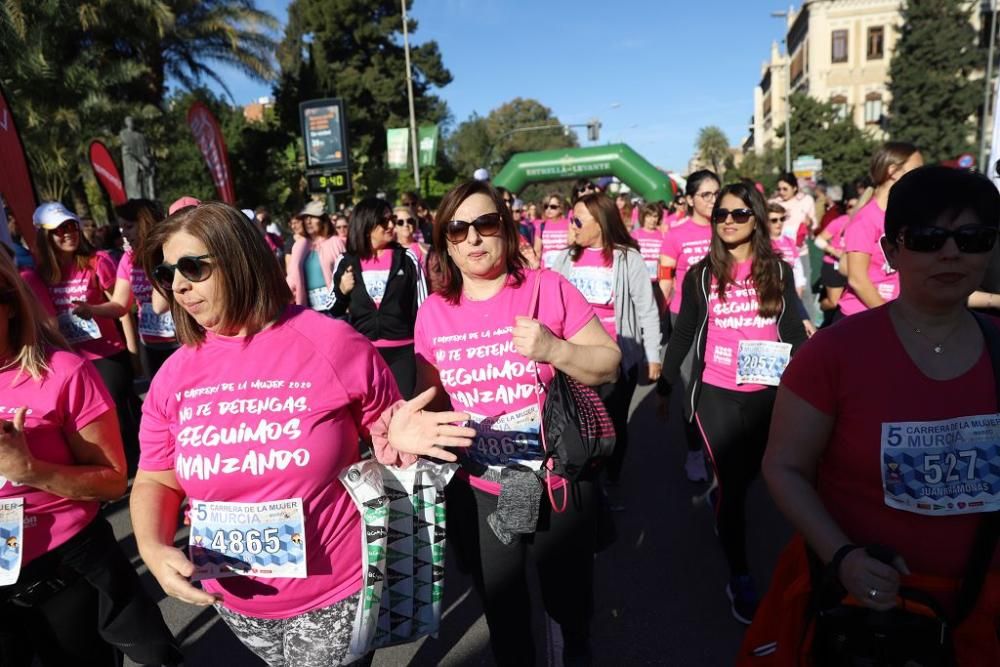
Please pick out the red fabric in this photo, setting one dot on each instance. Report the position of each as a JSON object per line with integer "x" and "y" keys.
{"x": 800, "y": 236}
{"x": 208, "y": 136}
{"x": 15, "y": 174}
{"x": 107, "y": 173}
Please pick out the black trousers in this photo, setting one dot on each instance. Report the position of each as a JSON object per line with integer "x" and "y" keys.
{"x": 116, "y": 371}
{"x": 156, "y": 355}
{"x": 562, "y": 550}
{"x": 734, "y": 426}
{"x": 617, "y": 397}
{"x": 403, "y": 364}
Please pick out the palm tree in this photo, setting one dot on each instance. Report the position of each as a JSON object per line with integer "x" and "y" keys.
{"x": 713, "y": 147}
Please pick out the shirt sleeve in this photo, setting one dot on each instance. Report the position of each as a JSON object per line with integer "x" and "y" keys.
{"x": 83, "y": 397}
{"x": 670, "y": 248}
{"x": 861, "y": 236}
{"x": 421, "y": 344}
{"x": 156, "y": 442}
{"x": 812, "y": 372}
{"x": 125, "y": 268}
{"x": 106, "y": 271}
{"x": 366, "y": 379}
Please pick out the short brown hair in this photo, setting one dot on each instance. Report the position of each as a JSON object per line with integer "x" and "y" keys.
{"x": 651, "y": 208}
{"x": 252, "y": 287}
{"x": 775, "y": 207}
{"x": 451, "y": 277}
{"x": 143, "y": 212}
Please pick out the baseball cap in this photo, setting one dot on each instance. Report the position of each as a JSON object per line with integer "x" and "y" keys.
{"x": 481, "y": 174}
{"x": 315, "y": 209}
{"x": 248, "y": 212}
{"x": 51, "y": 214}
{"x": 183, "y": 202}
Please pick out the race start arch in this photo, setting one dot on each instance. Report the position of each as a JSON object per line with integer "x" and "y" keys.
{"x": 565, "y": 163}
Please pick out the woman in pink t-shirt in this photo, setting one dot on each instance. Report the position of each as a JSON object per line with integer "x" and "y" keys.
{"x": 477, "y": 342}
{"x": 406, "y": 229}
{"x": 742, "y": 317}
{"x": 552, "y": 231}
{"x": 800, "y": 207}
{"x": 605, "y": 264}
{"x": 254, "y": 417}
{"x": 61, "y": 455}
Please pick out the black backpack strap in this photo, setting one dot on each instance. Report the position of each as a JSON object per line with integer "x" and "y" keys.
{"x": 985, "y": 541}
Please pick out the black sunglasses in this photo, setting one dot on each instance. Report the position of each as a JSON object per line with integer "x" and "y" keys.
{"x": 404, "y": 221}
{"x": 487, "y": 224}
{"x": 192, "y": 268}
{"x": 554, "y": 207}
{"x": 777, "y": 220}
{"x": 740, "y": 215}
{"x": 968, "y": 238}
{"x": 577, "y": 222}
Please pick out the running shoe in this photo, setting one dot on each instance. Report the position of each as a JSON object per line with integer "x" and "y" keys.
{"x": 743, "y": 598}
{"x": 694, "y": 466}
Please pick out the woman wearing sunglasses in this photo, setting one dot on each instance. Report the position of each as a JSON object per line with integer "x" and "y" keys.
{"x": 856, "y": 455}
{"x": 406, "y": 229}
{"x": 605, "y": 264}
{"x": 742, "y": 318}
{"x": 477, "y": 342}
{"x": 310, "y": 270}
{"x": 74, "y": 284}
{"x": 871, "y": 280}
{"x": 552, "y": 231}
{"x": 379, "y": 286}
{"x": 686, "y": 245}
{"x": 68, "y": 595}
{"x": 263, "y": 405}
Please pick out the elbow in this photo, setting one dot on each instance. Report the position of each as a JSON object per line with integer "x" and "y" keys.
{"x": 116, "y": 487}
{"x": 611, "y": 369}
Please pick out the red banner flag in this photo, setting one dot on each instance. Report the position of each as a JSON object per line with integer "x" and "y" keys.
{"x": 15, "y": 176}
{"x": 208, "y": 136}
{"x": 107, "y": 172}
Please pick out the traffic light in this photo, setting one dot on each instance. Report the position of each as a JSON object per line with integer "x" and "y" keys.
{"x": 593, "y": 129}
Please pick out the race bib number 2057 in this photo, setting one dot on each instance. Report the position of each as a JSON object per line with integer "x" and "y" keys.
{"x": 942, "y": 467}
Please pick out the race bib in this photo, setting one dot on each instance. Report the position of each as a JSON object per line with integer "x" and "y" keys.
{"x": 11, "y": 538}
{"x": 652, "y": 267}
{"x": 549, "y": 257}
{"x": 253, "y": 539}
{"x": 76, "y": 329}
{"x": 594, "y": 282}
{"x": 508, "y": 439}
{"x": 942, "y": 467}
{"x": 320, "y": 299}
{"x": 153, "y": 325}
{"x": 375, "y": 282}
{"x": 761, "y": 362}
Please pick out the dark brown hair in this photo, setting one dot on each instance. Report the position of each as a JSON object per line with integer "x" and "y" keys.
{"x": 143, "y": 212}
{"x": 451, "y": 277}
{"x": 765, "y": 272}
{"x": 651, "y": 208}
{"x": 613, "y": 232}
{"x": 252, "y": 287}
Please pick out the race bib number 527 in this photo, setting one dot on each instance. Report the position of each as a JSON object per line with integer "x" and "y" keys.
{"x": 942, "y": 467}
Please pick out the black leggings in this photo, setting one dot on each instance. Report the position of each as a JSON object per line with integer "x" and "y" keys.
{"x": 734, "y": 425}
{"x": 403, "y": 365}
{"x": 116, "y": 371}
{"x": 156, "y": 354}
{"x": 617, "y": 397}
{"x": 562, "y": 550}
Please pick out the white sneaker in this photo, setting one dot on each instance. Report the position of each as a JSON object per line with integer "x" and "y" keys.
{"x": 694, "y": 466}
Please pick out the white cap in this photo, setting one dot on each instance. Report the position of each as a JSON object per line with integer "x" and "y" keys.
{"x": 51, "y": 214}
{"x": 481, "y": 174}
{"x": 248, "y": 212}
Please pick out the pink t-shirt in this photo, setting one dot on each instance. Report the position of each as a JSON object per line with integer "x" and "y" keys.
{"x": 786, "y": 248}
{"x": 375, "y": 275}
{"x": 470, "y": 345}
{"x": 268, "y": 418}
{"x": 67, "y": 398}
{"x": 651, "y": 243}
{"x": 730, "y": 322}
{"x": 153, "y": 328}
{"x": 93, "y": 339}
{"x": 836, "y": 231}
{"x": 864, "y": 234}
{"x": 592, "y": 274}
{"x": 687, "y": 244}
{"x": 555, "y": 237}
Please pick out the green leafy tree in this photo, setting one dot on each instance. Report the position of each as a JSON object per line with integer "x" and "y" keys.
{"x": 934, "y": 97}
{"x": 353, "y": 50}
{"x": 713, "y": 147}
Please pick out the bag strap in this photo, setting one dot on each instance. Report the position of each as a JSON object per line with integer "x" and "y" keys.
{"x": 985, "y": 541}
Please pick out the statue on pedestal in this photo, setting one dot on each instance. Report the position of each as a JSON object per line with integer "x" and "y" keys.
{"x": 138, "y": 166}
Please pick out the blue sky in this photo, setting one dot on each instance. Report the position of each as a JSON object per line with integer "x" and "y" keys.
{"x": 653, "y": 71}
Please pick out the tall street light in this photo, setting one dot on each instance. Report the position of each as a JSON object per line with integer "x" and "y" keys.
{"x": 409, "y": 93}
{"x": 788, "y": 95}
{"x": 983, "y": 166}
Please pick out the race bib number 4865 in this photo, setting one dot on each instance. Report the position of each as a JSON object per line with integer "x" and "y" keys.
{"x": 942, "y": 467}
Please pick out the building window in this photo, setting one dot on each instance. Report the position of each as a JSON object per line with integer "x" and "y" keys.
{"x": 873, "y": 108}
{"x": 876, "y": 43}
{"x": 839, "y": 103}
{"x": 839, "y": 54}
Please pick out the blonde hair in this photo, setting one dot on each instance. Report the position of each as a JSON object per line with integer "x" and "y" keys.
{"x": 31, "y": 335}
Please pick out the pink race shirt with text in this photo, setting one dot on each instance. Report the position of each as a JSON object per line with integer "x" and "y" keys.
{"x": 651, "y": 243}
{"x": 153, "y": 328}
{"x": 864, "y": 235}
{"x": 687, "y": 244}
{"x": 592, "y": 274}
{"x": 69, "y": 396}
{"x": 730, "y": 322}
{"x": 554, "y": 235}
{"x": 470, "y": 346}
{"x": 268, "y": 418}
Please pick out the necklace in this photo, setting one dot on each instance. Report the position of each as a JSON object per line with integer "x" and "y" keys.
{"x": 937, "y": 346}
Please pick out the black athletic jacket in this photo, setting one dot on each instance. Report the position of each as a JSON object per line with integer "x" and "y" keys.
{"x": 692, "y": 327}
{"x": 404, "y": 292}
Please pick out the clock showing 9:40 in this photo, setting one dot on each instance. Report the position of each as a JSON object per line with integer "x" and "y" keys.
{"x": 337, "y": 181}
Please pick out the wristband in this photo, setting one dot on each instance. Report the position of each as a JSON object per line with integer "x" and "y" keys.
{"x": 820, "y": 243}
{"x": 666, "y": 272}
{"x": 834, "y": 567}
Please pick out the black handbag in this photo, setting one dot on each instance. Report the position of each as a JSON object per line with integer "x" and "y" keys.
{"x": 576, "y": 430}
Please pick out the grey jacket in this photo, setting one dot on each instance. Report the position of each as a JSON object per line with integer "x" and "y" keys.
{"x": 637, "y": 319}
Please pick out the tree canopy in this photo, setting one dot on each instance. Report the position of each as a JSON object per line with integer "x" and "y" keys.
{"x": 713, "y": 147}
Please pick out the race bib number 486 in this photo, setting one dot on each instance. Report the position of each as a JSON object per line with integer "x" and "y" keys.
{"x": 942, "y": 467}
{"x": 254, "y": 539}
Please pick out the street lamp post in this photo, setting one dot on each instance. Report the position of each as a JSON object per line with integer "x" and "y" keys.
{"x": 788, "y": 97}
{"x": 409, "y": 93}
{"x": 984, "y": 167}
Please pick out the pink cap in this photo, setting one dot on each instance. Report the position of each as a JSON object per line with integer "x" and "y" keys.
{"x": 183, "y": 202}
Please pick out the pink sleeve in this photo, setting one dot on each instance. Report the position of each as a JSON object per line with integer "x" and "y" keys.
{"x": 125, "y": 268}
{"x": 106, "y": 271}
{"x": 861, "y": 236}
{"x": 421, "y": 345}
{"x": 156, "y": 443}
{"x": 41, "y": 291}
{"x": 84, "y": 397}
{"x": 670, "y": 248}
{"x": 812, "y": 372}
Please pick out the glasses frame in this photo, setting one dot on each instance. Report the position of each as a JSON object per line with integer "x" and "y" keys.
{"x": 174, "y": 268}
{"x": 720, "y": 216}
{"x": 456, "y": 227}
{"x": 941, "y": 236}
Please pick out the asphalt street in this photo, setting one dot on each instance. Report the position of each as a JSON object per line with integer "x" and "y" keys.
{"x": 660, "y": 596}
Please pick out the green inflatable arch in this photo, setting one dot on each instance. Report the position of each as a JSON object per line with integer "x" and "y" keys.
{"x": 566, "y": 163}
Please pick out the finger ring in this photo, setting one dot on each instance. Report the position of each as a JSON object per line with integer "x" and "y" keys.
{"x": 873, "y": 593}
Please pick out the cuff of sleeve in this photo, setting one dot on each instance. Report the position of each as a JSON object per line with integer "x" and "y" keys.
{"x": 384, "y": 452}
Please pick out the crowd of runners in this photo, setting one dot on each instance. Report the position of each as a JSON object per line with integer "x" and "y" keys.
{"x": 833, "y": 341}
